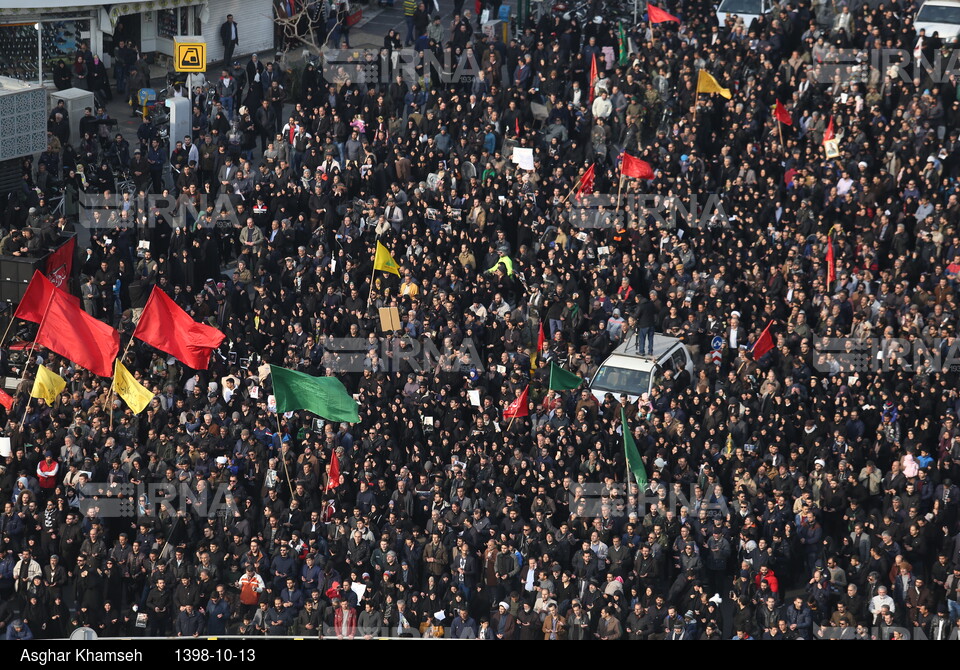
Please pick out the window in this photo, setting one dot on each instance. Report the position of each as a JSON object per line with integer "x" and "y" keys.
{"x": 939, "y": 14}
{"x": 173, "y": 23}
{"x": 59, "y": 40}
{"x": 620, "y": 380}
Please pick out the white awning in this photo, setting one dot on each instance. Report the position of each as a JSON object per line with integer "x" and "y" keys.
{"x": 124, "y": 8}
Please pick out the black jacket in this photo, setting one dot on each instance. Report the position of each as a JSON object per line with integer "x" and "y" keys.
{"x": 225, "y": 34}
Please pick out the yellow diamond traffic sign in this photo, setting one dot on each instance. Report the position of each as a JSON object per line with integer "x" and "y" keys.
{"x": 190, "y": 57}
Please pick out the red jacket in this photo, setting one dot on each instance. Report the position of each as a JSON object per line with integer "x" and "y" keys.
{"x": 351, "y": 623}
{"x": 771, "y": 580}
{"x": 47, "y": 473}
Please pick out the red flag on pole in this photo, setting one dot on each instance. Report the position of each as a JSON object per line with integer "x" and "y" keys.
{"x": 782, "y": 115}
{"x": 6, "y": 400}
{"x": 586, "y": 182}
{"x": 763, "y": 344}
{"x": 518, "y": 407}
{"x": 60, "y": 264}
{"x": 66, "y": 329}
{"x": 658, "y": 15}
{"x": 35, "y": 299}
{"x": 516, "y": 125}
{"x": 593, "y": 75}
{"x": 831, "y": 263}
{"x": 540, "y": 340}
{"x": 164, "y": 326}
{"x": 635, "y": 168}
{"x": 334, "y": 480}
{"x": 829, "y": 132}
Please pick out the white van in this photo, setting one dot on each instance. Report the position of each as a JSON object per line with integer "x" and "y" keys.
{"x": 748, "y": 10}
{"x": 939, "y": 16}
{"x": 625, "y": 371}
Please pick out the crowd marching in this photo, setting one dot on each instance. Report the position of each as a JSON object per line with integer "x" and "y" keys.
{"x": 220, "y": 436}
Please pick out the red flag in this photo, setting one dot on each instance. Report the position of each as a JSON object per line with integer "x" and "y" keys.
{"x": 781, "y": 114}
{"x": 60, "y": 264}
{"x": 164, "y": 326}
{"x": 763, "y": 344}
{"x": 586, "y": 182}
{"x": 67, "y": 330}
{"x": 6, "y": 400}
{"x": 593, "y": 75}
{"x": 635, "y": 168}
{"x": 518, "y": 407}
{"x": 517, "y": 125}
{"x": 828, "y": 133}
{"x": 36, "y": 298}
{"x": 334, "y": 480}
{"x": 540, "y": 339}
{"x": 831, "y": 263}
{"x": 658, "y": 15}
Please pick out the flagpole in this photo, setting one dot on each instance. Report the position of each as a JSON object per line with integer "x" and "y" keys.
{"x": 783, "y": 147}
{"x": 620, "y": 188}
{"x": 696, "y": 104}
{"x": 7, "y": 331}
{"x": 279, "y": 453}
{"x": 33, "y": 346}
{"x": 573, "y": 188}
{"x": 110, "y": 392}
{"x": 373, "y": 273}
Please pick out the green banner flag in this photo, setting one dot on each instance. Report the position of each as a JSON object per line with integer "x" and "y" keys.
{"x": 562, "y": 380}
{"x": 324, "y": 396}
{"x": 634, "y": 462}
{"x": 623, "y": 45}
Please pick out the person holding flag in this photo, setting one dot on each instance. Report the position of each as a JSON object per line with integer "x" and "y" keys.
{"x": 657, "y": 15}
{"x": 706, "y": 83}
{"x": 135, "y": 394}
{"x": 763, "y": 344}
{"x": 383, "y": 261}
{"x": 634, "y": 460}
{"x": 783, "y": 118}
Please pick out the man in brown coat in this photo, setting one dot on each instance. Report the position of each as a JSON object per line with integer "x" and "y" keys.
{"x": 554, "y": 627}
{"x": 435, "y": 556}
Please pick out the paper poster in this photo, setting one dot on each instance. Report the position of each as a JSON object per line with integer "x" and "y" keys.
{"x": 359, "y": 589}
{"x": 474, "y": 395}
{"x": 831, "y": 148}
{"x": 5, "y": 448}
{"x": 389, "y": 319}
{"x": 523, "y": 157}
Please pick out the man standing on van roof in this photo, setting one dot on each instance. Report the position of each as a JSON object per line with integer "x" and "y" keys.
{"x": 646, "y": 318}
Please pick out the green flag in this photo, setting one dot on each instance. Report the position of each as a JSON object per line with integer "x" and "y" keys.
{"x": 623, "y": 44}
{"x": 562, "y": 380}
{"x": 324, "y": 396}
{"x": 634, "y": 462}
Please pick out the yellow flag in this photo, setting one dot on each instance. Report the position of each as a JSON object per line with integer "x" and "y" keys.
{"x": 384, "y": 261}
{"x": 707, "y": 84}
{"x": 128, "y": 388}
{"x": 47, "y": 385}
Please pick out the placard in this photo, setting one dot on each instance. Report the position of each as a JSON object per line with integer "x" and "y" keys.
{"x": 389, "y": 319}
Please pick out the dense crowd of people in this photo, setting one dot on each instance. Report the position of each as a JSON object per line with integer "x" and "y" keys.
{"x": 803, "y": 495}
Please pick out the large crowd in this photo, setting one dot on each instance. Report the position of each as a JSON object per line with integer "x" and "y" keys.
{"x": 803, "y": 495}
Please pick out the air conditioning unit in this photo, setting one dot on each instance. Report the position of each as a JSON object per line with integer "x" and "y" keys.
{"x": 23, "y": 108}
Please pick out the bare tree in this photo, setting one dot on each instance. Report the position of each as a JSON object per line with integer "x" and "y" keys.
{"x": 306, "y": 28}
